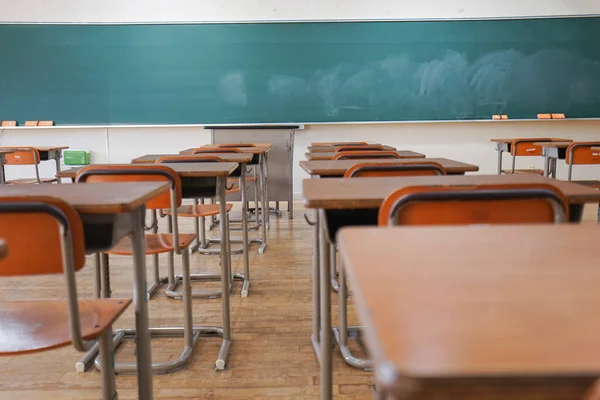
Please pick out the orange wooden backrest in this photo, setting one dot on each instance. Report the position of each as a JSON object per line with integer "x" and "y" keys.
{"x": 526, "y": 147}
{"x": 178, "y": 159}
{"x": 22, "y": 156}
{"x": 34, "y": 237}
{"x": 368, "y": 147}
{"x": 366, "y": 155}
{"x": 398, "y": 168}
{"x": 349, "y": 144}
{"x": 448, "y": 205}
{"x": 228, "y": 145}
{"x": 102, "y": 173}
{"x": 216, "y": 150}
{"x": 581, "y": 153}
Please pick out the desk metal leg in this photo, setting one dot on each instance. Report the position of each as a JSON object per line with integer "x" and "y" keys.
{"x": 500, "y": 152}
{"x": 140, "y": 302}
{"x": 264, "y": 204}
{"x": 316, "y": 288}
{"x": 2, "y": 179}
{"x": 326, "y": 336}
{"x": 553, "y": 167}
{"x": 246, "y": 284}
{"x": 225, "y": 275}
{"x": 546, "y": 166}
{"x": 57, "y": 158}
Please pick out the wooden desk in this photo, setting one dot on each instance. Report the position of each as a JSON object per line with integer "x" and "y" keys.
{"x": 48, "y": 153}
{"x": 342, "y": 202}
{"x": 111, "y": 211}
{"x": 3, "y": 249}
{"x": 339, "y": 168}
{"x": 330, "y": 155}
{"x": 230, "y": 157}
{"x": 503, "y": 145}
{"x": 464, "y": 324}
{"x": 328, "y": 148}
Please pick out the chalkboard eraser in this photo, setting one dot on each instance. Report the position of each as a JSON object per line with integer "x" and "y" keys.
{"x": 496, "y": 117}
{"x": 558, "y": 116}
{"x": 504, "y": 117}
{"x": 8, "y": 123}
{"x": 31, "y": 123}
{"x": 544, "y": 116}
{"x": 46, "y": 123}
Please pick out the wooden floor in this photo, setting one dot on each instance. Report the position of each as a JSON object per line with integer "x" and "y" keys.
{"x": 271, "y": 355}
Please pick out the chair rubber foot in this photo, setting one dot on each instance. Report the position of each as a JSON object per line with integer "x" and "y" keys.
{"x": 244, "y": 293}
{"x": 220, "y": 365}
{"x": 79, "y": 367}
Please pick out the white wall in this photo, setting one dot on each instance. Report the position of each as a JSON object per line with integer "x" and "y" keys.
{"x": 467, "y": 142}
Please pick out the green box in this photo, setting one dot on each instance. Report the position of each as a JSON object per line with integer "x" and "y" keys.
{"x": 76, "y": 157}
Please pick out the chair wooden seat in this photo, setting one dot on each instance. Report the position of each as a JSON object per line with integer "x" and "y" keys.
{"x": 529, "y": 171}
{"x": 591, "y": 183}
{"x": 30, "y": 181}
{"x": 200, "y": 210}
{"x": 33, "y": 326}
{"x": 156, "y": 243}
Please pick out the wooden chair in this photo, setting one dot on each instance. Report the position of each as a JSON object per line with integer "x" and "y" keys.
{"x": 525, "y": 148}
{"x": 366, "y": 155}
{"x": 581, "y": 153}
{"x": 349, "y": 144}
{"x": 484, "y": 204}
{"x": 369, "y": 170}
{"x": 234, "y": 145}
{"x": 36, "y": 326}
{"x": 156, "y": 243}
{"x": 397, "y": 168}
{"x": 26, "y": 156}
{"x": 367, "y": 147}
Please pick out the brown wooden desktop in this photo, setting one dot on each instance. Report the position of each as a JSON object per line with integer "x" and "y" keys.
{"x": 330, "y": 155}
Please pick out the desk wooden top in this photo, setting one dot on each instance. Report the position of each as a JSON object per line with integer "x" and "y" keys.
{"x": 557, "y": 145}
{"x": 184, "y": 170}
{"x": 259, "y": 148}
{"x": 230, "y": 157}
{"x": 329, "y": 148}
{"x": 337, "y": 193}
{"x": 339, "y": 141}
{"x": 3, "y": 249}
{"x": 510, "y": 140}
{"x": 339, "y": 168}
{"x": 40, "y": 148}
{"x": 464, "y": 310}
{"x": 94, "y": 198}
{"x": 330, "y": 155}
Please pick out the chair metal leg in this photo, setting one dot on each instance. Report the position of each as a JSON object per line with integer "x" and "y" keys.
{"x": 105, "y": 276}
{"x": 96, "y": 278}
{"x": 107, "y": 375}
{"x": 316, "y": 298}
{"x": 333, "y": 273}
{"x": 342, "y": 332}
{"x": 326, "y": 373}
{"x": 158, "y": 281}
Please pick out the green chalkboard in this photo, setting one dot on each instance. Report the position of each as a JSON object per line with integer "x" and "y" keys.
{"x": 300, "y": 72}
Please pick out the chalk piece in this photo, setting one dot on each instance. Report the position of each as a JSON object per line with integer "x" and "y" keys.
{"x": 505, "y": 117}
{"x": 558, "y": 116}
{"x": 9, "y": 123}
{"x": 544, "y": 116}
{"x": 46, "y": 123}
{"x": 31, "y": 123}
{"x": 496, "y": 117}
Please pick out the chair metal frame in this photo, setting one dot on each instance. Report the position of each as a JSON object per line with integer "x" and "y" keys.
{"x": 104, "y": 343}
{"x": 199, "y": 226}
{"x": 570, "y": 153}
{"x": 189, "y": 332}
{"x": 514, "y": 149}
{"x": 36, "y": 158}
{"x": 343, "y": 331}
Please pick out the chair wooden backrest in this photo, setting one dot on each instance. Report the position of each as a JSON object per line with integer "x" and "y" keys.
{"x": 229, "y": 145}
{"x": 349, "y": 144}
{"x": 45, "y": 236}
{"x": 137, "y": 173}
{"x": 581, "y": 153}
{"x": 22, "y": 155}
{"x": 367, "y": 147}
{"x": 365, "y": 155}
{"x": 215, "y": 150}
{"x": 483, "y": 204}
{"x": 396, "y": 168}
